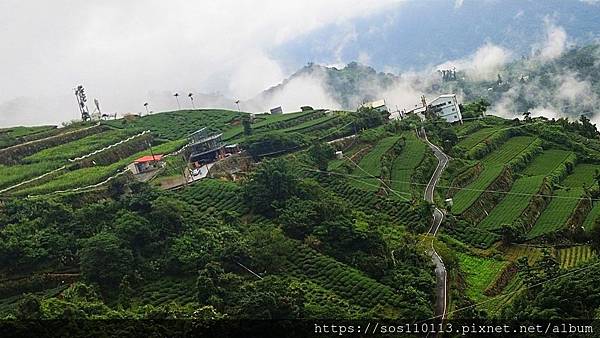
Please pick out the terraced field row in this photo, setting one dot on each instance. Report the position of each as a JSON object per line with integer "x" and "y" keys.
{"x": 211, "y": 193}
{"x": 493, "y": 164}
{"x": 401, "y": 213}
{"x": 573, "y": 256}
{"x": 15, "y": 135}
{"x": 80, "y": 147}
{"x": 517, "y": 199}
{"x": 477, "y": 137}
{"x": 404, "y": 164}
{"x": 178, "y": 124}
{"x": 561, "y": 207}
{"x": 369, "y": 166}
{"x": 266, "y": 122}
{"x": 592, "y": 216}
{"x": 479, "y": 273}
{"x": 514, "y": 252}
{"x": 92, "y": 175}
{"x": 344, "y": 281}
{"x": 180, "y": 291}
{"x": 513, "y": 205}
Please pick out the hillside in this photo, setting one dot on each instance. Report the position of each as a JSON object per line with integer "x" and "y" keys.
{"x": 349, "y": 86}
{"x": 297, "y": 232}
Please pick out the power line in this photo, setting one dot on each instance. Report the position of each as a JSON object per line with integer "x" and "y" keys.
{"x": 465, "y": 188}
{"x": 380, "y": 180}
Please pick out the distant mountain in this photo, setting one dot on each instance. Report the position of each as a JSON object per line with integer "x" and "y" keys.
{"x": 566, "y": 86}
{"x": 348, "y": 86}
{"x": 416, "y": 34}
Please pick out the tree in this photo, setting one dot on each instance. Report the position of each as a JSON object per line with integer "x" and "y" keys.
{"x": 29, "y": 308}
{"x": 272, "y": 184}
{"x": 271, "y": 298}
{"x": 274, "y": 142}
{"x": 510, "y": 233}
{"x": 365, "y": 118}
{"x": 247, "y": 125}
{"x": 103, "y": 260}
{"x": 321, "y": 153}
{"x": 449, "y": 138}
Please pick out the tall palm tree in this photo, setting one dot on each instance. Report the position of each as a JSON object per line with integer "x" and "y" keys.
{"x": 191, "y": 96}
{"x": 146, "y": 106}
{"x": 177, "y": 98}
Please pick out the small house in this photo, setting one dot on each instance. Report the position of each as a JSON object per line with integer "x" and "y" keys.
{"x": 146, "y": 164}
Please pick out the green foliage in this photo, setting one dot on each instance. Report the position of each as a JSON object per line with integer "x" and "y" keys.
{"x": 479, "y": 273}
{"x": 104, "y": 260}
{"x": 270, "y": 185}
{"x": 321, "y": 153}
{"x": 406, "y": 162}
{"x": 515, "y": 152}
{"x": 574, "y": 256}
{"x": 177, "y": 125}
{"x": 474, "y": 109}
{"x": 370, "y": 166}
{"x": 275, "y": 142}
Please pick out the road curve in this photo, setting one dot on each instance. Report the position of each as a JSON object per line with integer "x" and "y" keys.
{"x": 438, "y": 217}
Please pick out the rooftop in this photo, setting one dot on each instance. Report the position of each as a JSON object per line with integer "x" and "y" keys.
{"x": 149, "y": 158}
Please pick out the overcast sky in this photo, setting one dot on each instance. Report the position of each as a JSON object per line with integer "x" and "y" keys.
{"x": 127, "y": 52}
{"x": 123, "y": 50}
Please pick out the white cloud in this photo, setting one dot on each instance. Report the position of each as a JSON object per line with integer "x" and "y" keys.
{"x": 122, "y": 50}
{"x": 364, "y": 57}
{"x": 458, "y": 3}
{"x": 300, "y": 91}
{"x": 555, "y": 42}
{"x": 484, "y": 64}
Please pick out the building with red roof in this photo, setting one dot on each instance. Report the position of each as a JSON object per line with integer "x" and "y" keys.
{"x": 146, "y": 164}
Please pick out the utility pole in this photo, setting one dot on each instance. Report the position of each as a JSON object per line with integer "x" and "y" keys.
{"x": 183, "y": 168}
{"x": 151, "y": 151}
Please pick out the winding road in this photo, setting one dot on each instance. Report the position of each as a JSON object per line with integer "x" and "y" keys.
{"x": 438, "y": 217}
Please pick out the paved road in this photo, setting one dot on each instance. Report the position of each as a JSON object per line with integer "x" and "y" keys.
{"x": 438, "y": 217}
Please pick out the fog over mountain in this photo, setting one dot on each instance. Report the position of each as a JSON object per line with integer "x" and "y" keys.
{"x": 145, "y": 51}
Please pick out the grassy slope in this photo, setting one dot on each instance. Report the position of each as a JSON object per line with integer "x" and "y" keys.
{"x": 370, "y": 164}
{"x": 493, "y": 164}
{"x": 93, "y": 175}
{"x": 479, "y": 273}
{"x": 515, "y": 202}
{"x": 80, "y": 147}
{"x": 404, "y": 164}
{"x": 475, "y": 138}
{"x": 557, "y": 213}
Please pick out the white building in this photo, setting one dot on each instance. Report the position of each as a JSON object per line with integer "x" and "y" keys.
{"x": 378, "y": 105}
{"x": 446, "y": 107}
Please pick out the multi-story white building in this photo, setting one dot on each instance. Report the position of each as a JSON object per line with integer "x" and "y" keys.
{"x": 446, "y": 107}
